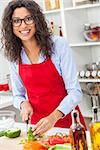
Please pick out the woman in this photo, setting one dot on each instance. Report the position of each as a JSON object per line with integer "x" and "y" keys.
{"x": 41, "y": 67}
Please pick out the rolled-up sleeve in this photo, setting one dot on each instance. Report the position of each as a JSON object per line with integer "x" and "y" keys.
{"x": 69, "y": 75}
{"x": 18, "y": 88}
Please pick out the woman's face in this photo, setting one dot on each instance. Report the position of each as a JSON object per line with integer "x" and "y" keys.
{"x": 23, "y": 24}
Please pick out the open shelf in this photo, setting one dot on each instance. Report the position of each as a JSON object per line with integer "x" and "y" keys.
{"x": 52, "y": 11}
{"x": 84, "y": 44}
{"x": 82, "y": 7}
{"x": 89, "y": 80}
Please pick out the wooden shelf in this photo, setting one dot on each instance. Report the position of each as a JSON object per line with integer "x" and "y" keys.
{"x": 82, "y": 7}
{"x": 89, "y": 80}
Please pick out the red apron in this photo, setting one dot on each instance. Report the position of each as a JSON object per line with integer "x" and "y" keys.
{"x": 45, "y": 90}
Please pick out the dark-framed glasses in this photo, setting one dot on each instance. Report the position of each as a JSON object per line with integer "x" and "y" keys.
{"x": 28, "y": 20}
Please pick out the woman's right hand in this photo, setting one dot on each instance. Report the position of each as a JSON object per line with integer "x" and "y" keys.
{"x": 26, "y": 111}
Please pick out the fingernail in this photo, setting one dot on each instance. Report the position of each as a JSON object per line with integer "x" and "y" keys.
{"x": 34, "y": 133}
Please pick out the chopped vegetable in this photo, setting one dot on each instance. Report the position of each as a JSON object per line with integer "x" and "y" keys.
{"x": 55, "y": 140}
{"x": 23, "y": 141}
{"x": 34, "y": 145}
{"x": 62, "y": 147}
{"x": 12, "y": 133}
{"x": 2, "y": 133}
{"x": 58, "y": 139}
{"x": 31, "y": 136}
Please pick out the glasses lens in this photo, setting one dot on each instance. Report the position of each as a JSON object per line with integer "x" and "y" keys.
{"x": 29, "y": 20}
{"x": 16, "y": 22}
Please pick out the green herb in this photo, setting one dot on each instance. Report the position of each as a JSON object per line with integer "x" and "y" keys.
{"x": 31, "y": 136}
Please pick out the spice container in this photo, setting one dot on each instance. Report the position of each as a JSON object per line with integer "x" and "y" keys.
{"x": 94, "y": 74}
{"x": 82, "y": 74}
{"x": 98, "y": 74}
{"x": 87, "y": 74}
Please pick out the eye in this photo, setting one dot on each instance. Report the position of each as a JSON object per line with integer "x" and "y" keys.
{"x": 17, "y": 20}
{"x": 28, "y": 18}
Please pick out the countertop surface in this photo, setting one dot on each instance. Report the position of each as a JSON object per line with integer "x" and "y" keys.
{"x": 13, "y": 144}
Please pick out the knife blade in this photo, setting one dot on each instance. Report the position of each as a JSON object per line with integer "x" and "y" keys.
{"x": 27, "y": 126}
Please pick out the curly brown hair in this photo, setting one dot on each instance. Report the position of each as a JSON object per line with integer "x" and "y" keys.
{"x": 12, "y": 45}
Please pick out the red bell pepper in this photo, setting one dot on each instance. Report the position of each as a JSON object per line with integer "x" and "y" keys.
{"x": 56, "y": 140}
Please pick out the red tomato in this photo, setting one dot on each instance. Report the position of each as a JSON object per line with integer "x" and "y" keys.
{"x": 56, "y": 140}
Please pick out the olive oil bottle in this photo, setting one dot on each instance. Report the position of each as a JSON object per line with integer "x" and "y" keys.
{"x": 77, "y": 133}
{"x": 95, "y": 130}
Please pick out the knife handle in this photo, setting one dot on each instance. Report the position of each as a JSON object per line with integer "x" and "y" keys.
{"x": 27, "y": 121}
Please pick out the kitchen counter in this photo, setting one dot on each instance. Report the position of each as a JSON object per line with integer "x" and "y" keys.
{"x": 10, "y": 144}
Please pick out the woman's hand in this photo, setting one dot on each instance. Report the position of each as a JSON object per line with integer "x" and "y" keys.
{"x": 46, "y": 123}
{"x": 26, "y": 111}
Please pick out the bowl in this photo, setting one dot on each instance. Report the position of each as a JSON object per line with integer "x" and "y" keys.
{"x": 92, "y": 35}
{"x": 7, "y": 119}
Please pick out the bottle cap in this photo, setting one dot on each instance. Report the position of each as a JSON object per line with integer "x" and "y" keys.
{"x": 75, "y": 113}
{"x": 95, "y": 109}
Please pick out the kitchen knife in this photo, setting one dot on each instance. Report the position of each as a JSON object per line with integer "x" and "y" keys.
{"x": 27, "y": 126}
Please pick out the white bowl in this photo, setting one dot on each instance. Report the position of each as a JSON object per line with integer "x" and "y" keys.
{"x": 92, "y": 35}
{"x": 7, "y": 119}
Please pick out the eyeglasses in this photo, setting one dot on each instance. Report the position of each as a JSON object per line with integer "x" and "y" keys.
{"x": 28, "y": 20}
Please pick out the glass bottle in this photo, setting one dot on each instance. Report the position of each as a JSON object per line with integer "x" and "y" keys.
{"x": 95, "y": 130}
{"x": 60, "y": 31}
{"x": 52, "y": 27}
{"x": 77, "y": 133}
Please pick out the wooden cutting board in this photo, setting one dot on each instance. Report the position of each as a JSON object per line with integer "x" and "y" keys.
{"x": 12, "y": 143}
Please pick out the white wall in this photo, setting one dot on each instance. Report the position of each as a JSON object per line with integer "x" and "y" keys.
{"x": 4, "y": 70}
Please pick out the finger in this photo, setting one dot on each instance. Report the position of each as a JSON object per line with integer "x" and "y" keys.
{"x": 41, "y": 128}
{"x": 24, "y": 117}
{"x": 37, "y": 126}
{"x": 30, "y": 115}
{"x": 42, "y": 131}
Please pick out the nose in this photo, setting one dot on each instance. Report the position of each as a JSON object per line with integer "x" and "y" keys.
{"x": 23, "y": 24}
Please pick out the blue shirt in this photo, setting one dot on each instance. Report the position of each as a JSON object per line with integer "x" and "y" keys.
{"x": 65, "y": 65}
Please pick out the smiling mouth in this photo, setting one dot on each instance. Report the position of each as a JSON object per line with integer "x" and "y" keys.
{"x": 25, "y": 32}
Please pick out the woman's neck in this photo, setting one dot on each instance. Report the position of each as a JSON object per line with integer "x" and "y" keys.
{"x": 32, "y": 50}
{"x": 31, "y": 46}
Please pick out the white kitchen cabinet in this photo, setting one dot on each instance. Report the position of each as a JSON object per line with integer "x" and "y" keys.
{"x": 72, "y": 19}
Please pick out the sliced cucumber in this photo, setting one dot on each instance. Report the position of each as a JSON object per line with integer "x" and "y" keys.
{"x": 12, "y": 133}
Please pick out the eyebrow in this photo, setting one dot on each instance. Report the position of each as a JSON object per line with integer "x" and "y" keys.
{"x": 21, "y": 18}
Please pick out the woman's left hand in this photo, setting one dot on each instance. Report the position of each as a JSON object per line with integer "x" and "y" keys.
{"x": 47, "y": 123}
